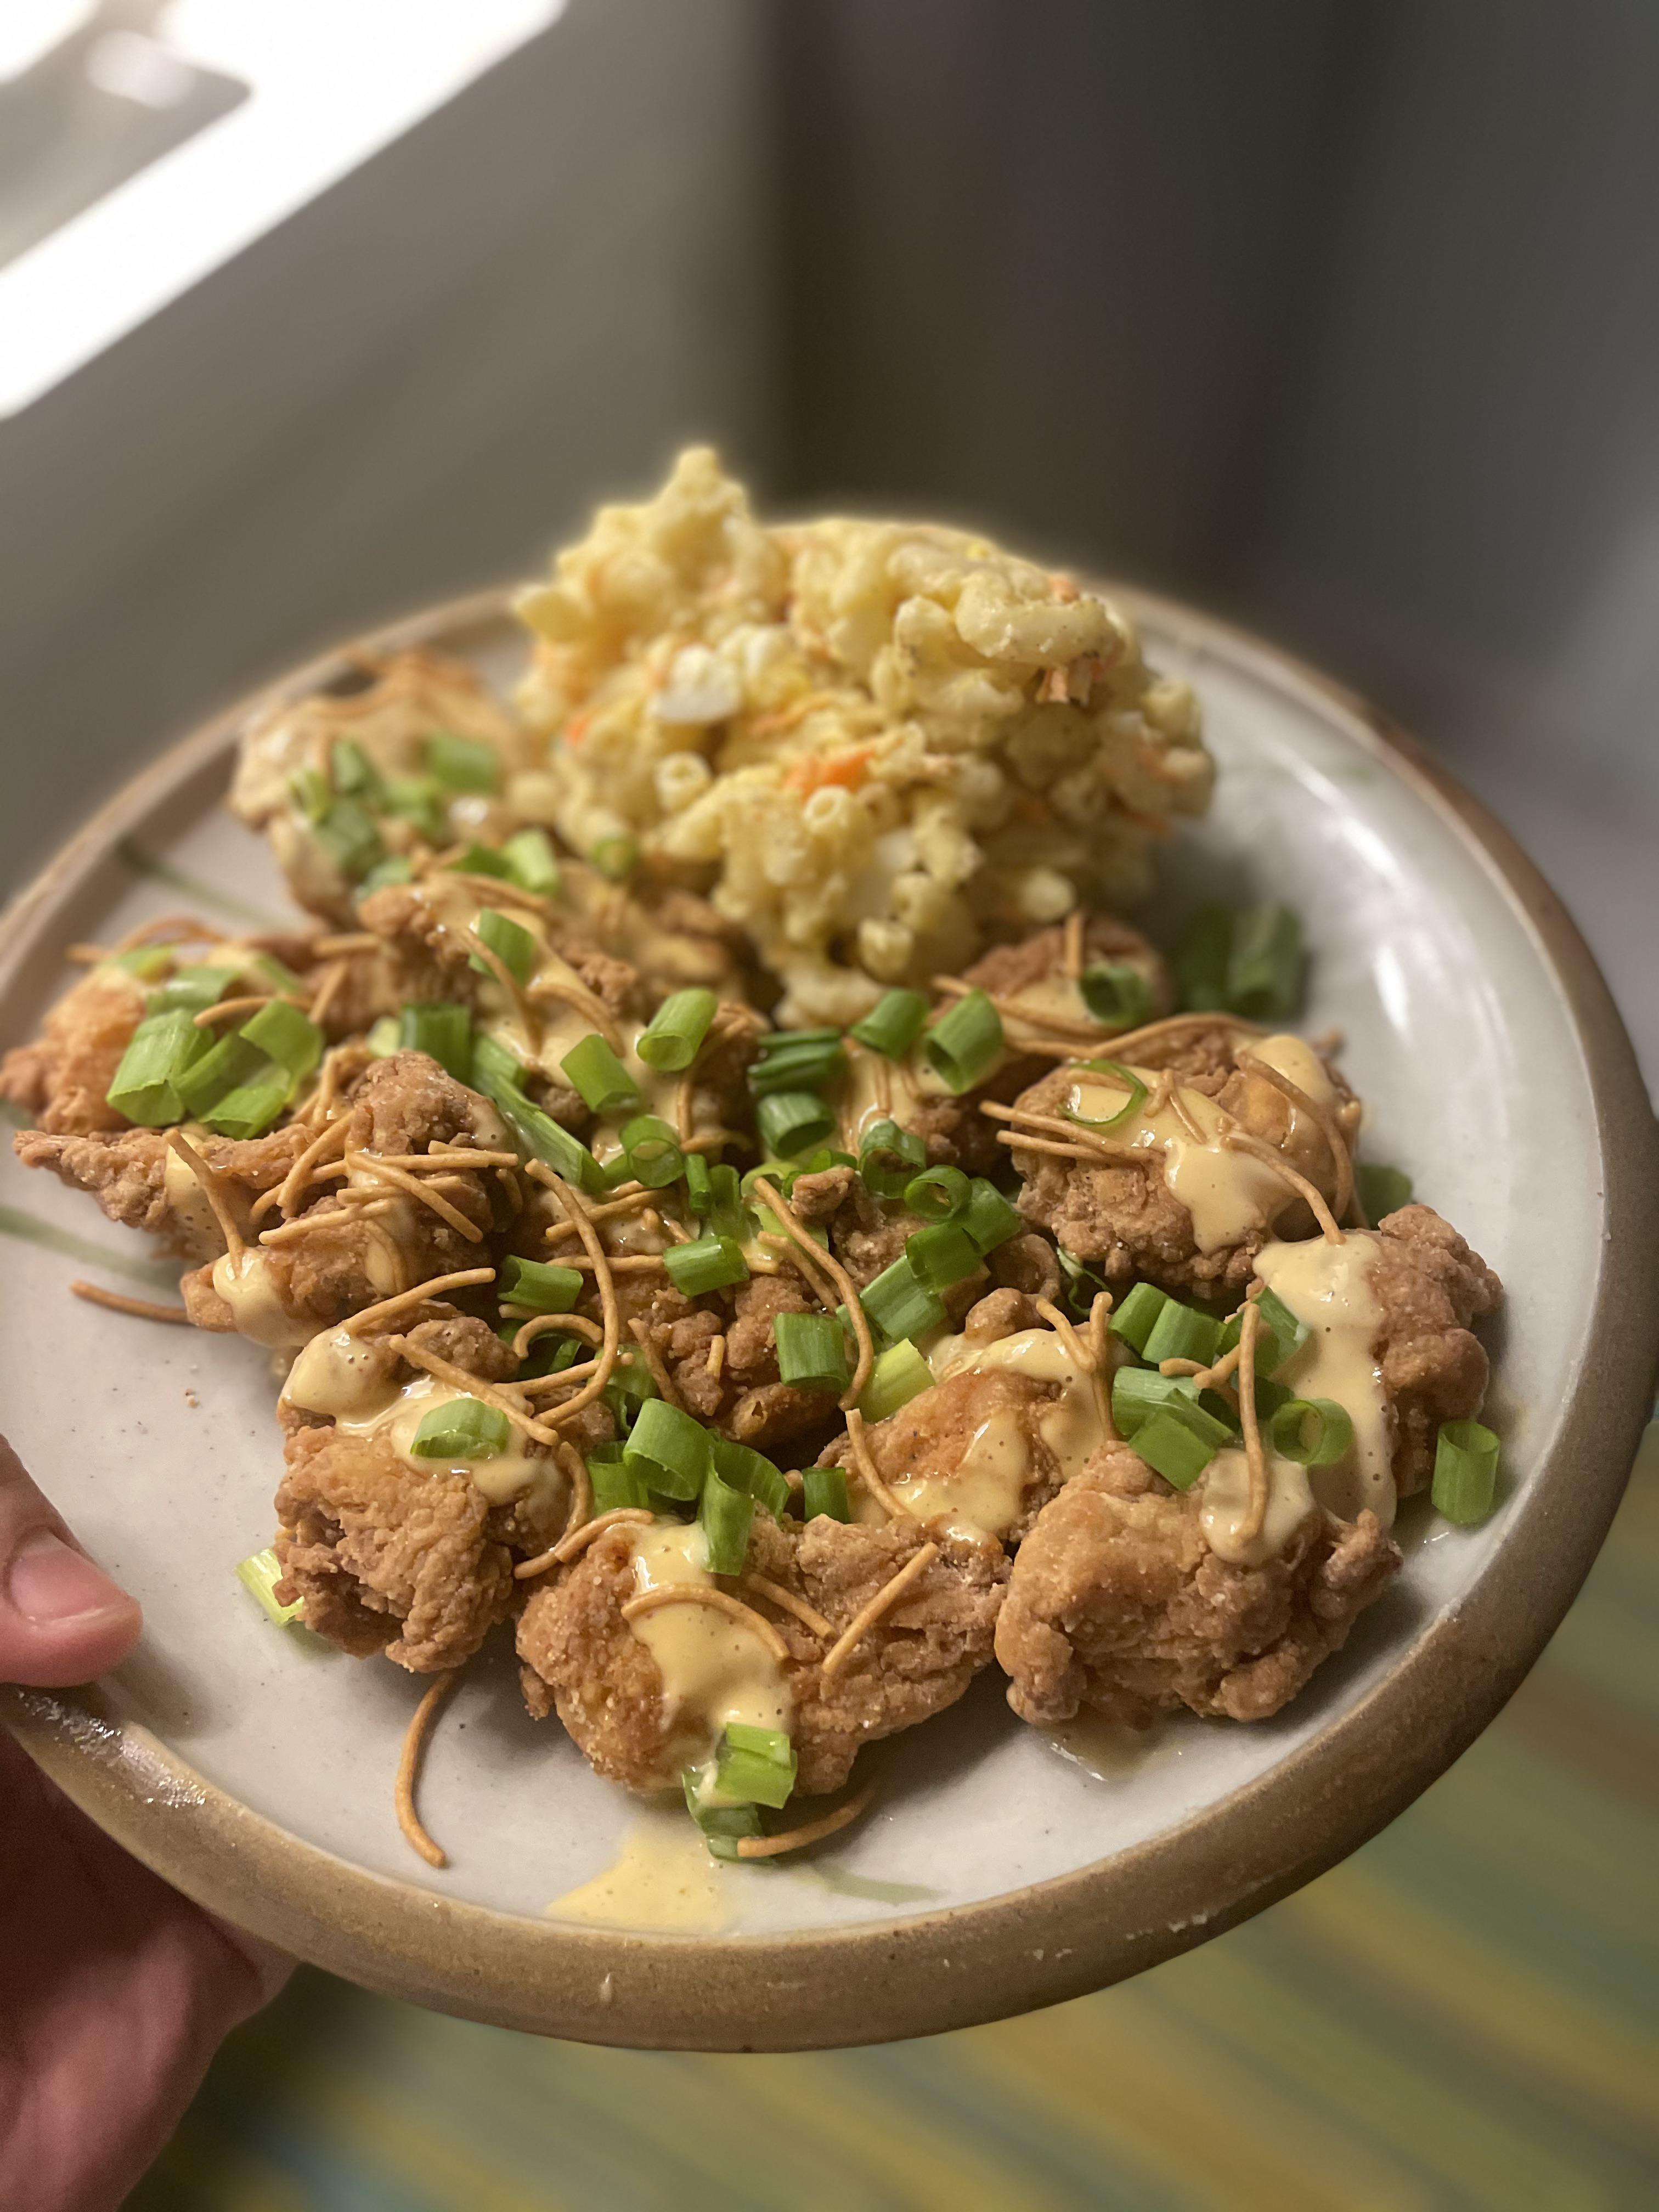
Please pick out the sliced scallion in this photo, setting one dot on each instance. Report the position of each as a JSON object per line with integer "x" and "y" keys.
{"x": 790, "y": 1120}
{"x": 260, "y": 1575}
{"x": 708, "y": 1263}
{"x": 1137, "y": 1316}
{"x": 989, "y": 1218}
{"x": 893, "y": 1024}
{"x": 537, "y": 1285}
{"x": 1170, "y": 1449}
{"x": 755, "y": 1766}
{"x": 603, "y": 1084}
{"x": 250, "y": 1108}
{"x": 752, "y": 1473}
{"x": 796, "y": 1059}
{"x": 219, "y": 1071}
{"x": 899, "y": 1374}
{"x": 899, "y": 1304}
{"x": 1117, "y": 1072}
{"x": 147, "y": 1088}
{"x": 811, "y": 1351}
{"x": 1117, "y": 994}
{"x": 285, "y": 1034}
{"x": 461, "y": 763}
{"x": 1182, "y": 1332}
{"x": 1465, "y": 1472}
{"x": 510, "y": 942}
{"x": 384, "y": 1036}
{"x": 942, "y": 1255}
{"x": 348, "y": 834}
{"x": 355, "y": 776}
{"x": 1278, "y": 1333}
{"x": 727, "y": 1516}
{"x": 1141, "y": 1395}
{"x": 616, "y": 1484}
{"x": 632, "y": 1386}
{"x": 1265, "y": 967}
{"x": 464, "y": 1429}
{"x": 652, "y": 1151}
{"x": 674, "y": 1036}
{"x": 309, "y": 789}
{"x": 1383, "y": 1190}
{"x": 699, "y": 1190}
{"x": 528, "y": 855}
{"x": 888, "y": 1157}
{"x": 937, "y": 1193}
{"x": 540, "y": 1135}
{"x": 483, "y": 861}
{"x": 147, "y": 963}
{"x": 616, "y": 857}
{"x": 394, "y": 869}
{"x": 823, "y": 1491}
{"x": 419, "y": 799}
{"x": 1312, "y": 1431}
{"x": 443, "y": 1032}
{"x": 723, "y": 1826}
{"x": 669, "y": 1449}
{"x": 726, "y": 1215}
{"x": 494, "y": 1069}
{"x": 1083, "y": 1285}
{"x": 965, "y": 1043}
{"x": 195, "y": 989}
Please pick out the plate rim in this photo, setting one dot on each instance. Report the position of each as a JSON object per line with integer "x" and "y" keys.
{"x": 1050, "y": 1940}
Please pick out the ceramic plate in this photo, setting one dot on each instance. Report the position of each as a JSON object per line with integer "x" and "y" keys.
{"x": 254, "y": 1767}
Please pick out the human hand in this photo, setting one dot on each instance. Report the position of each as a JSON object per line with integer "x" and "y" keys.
{"x": 115, "y": 1991}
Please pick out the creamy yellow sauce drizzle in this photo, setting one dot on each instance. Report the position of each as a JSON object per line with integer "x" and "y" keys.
{"x": 908, "y": 1083}
{"x": 1227, "y": 1502}
{"x": 1329, "y": 1287}
{"x": 248, "y": 1286}
{"x": 714, "y": 1668}
{"x": 1230, "y": 1194}
{"x": 335, "y": 1376}
{"x": 664, "y": 1880}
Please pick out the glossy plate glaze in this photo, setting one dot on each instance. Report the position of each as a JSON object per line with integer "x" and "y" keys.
{"x": 253, "y": 1768}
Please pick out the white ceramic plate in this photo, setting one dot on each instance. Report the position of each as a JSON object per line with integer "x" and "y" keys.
{"x": 254, "y": 1767}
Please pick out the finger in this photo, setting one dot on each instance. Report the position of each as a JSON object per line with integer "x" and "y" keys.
{"x": 62, "y": 1620}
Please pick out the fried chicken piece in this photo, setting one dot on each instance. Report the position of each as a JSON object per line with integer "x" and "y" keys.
{"x": 744, "y": 1400}
{"x": 1124, "y": 1219}
{"x": 1429, "y": 1286}
{"x": 866, "y": 1235}
{"x": 582, "y": 1657}
{"x": 970, "y": 1452}
{"x": 62, "y": 1077}
{"x": 138, "y": 1181}
{"x": 1117, "y": 1602}
{"x": 1037, "y": 965}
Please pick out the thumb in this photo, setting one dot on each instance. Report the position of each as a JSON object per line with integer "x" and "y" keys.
{"x": 62, "y": 1620}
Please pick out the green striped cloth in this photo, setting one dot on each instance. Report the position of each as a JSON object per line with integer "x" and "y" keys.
{"x": 1466, "y": 2013}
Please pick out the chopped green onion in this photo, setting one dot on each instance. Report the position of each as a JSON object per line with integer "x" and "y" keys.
{"x": 513, "y": 945}
{"x": 1278, "y": 1335}
{"x": 823, "y": 1491}
{"x": 893, "y": 1024}
{"x": 483, "y": 861}
{"x": 652, "y": 1151}
{"x": 419, "y": 799}
{"x": 937, "y": 1193}
{"x": 604, "y": 1084}
{"x": 1083, "y": 1285}
{"x": 1264, "y": 971}
{"x": 308, "y": 787}
{"x": 889, "y": 1157}
{"x": 710, "y": 1263}
{"x": 1171, "y": 1449}
{"x": 753, "y": 1474}
{"x": 146, "y": 962}
{"x": 194, "y": 989}
{"x": 285, "y": 1034}
{"x": 1141, "y": 1395}
{"x": 384, "y": 1036}
{"x": 632, "y": 1386}
{"x": 1312, "y": 1431}
{"x": 755, "y": 1766}
{"x": 670, "y": 1449}
{"x": 616, "y": 857}
{"x": 811, "y": 1351}
{"x": 899, "y": 1304}
{"x": 538, "y": 1285}
{"x": 899, "y": 1374}
{"x": 1117, "y": 994}
{"x": 1383, "y": 1190}
{"x": 529, "y": 854}
{"x": 539, "y": 1134}
{"x": 1200, "y": 964}
{"x": 723, "y": 1826}
{"x": 463, "y": 1429}
{"x": 443, "y": 1032}
{"x": 348, "y": 834}
{"x": 942, "y": 1255}
{"x": 260, "y": 1575}
{"x": 547, "y": 1354}
{"x": 727, "y": 1516}
{"x": 965, "y": 1043}
{"x": 146, "y": 1085}
{"x": 1182, "y": 1332}
{"x": 1137, "y": 1316}
{"x": 988, "y": 1218}
{"x": 616, "y": 1484}
{"x": 1465, "y": 1472}
{"x": 353, "y": 773}
{"x": 1126, "y": 1111}
{"x": 249, "y": 1110}
{"x": 699, "y": 1191}
{"x": 790, "y": 1120}
{"x": 727, "y": 1216}
{"x": 796, "y": 1059}
{"x": 394, "y": 869}
{"x": 494, "y": 1069}
{"x": 461, "y": 763}
{"x": 205, "y": 1081}
{"x": 674, "y": 1036}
